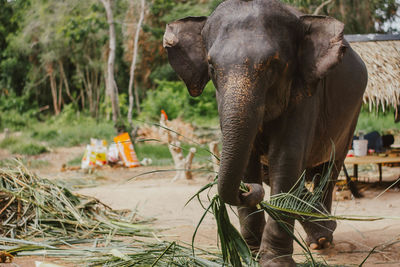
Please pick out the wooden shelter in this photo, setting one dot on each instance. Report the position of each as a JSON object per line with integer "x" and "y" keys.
{"x": 381, "y": 54}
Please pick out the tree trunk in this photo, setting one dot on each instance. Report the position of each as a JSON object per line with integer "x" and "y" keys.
{"x": 66, "y": 84}
{"x": 89, "y": 90}
{"x": 60, "y": 100}
{"x": 133, "y": 65}
{"x": 53, "y": 86}
{"x": 83, "y": 99}
{"x": 110, "y": 84}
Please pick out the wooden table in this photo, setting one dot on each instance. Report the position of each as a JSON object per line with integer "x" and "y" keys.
{"x": 370, "y": 160}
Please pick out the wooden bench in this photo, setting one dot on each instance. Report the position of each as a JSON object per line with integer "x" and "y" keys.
{"x": 370, "y": 160}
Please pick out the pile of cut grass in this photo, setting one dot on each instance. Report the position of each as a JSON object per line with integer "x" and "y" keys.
{"x": 111, "y": 252}
{"x": 34, "y": 207}
{"x": 43, "y": 218}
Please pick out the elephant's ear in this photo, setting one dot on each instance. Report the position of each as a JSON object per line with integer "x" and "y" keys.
{"x": 187, "y": 53}
{"x": 321, "y": 49}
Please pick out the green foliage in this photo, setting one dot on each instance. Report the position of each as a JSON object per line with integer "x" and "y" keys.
{"x": 169, "y": 96}
{"x": 64, "y": 42}
{"x": 23, "y": 146}
{"x": 381, "y": 122}
{"x": 181, "y": 10}
{"x": 14, "y": 120}
{"x": 10, "y": 101}
{"x": 69, "y": 128}
{"x": 8, "y": 142}
{"x": 58, "y": 132}
{"x": 158, "y": 153}
{"x": 213, "y": 4}
{"x": 164, "y": 72}
{"x": 29, "y": 149}
{"x": 204, "y": 105}
{"x": 359, "y": 16}
{"x": 172, "y": 96}
{"x": 43, "y": 41}
{"x": 16, "y": 113}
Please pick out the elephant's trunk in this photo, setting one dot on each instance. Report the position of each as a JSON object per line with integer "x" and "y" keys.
{"x": 241, "y": 116}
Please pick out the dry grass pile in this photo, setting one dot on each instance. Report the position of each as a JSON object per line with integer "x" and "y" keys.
{"x": 35, "y": 207}
{"x": 42, "y": 218}
{"x": 108, "y": 252}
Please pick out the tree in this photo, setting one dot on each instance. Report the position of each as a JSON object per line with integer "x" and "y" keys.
{"x": 13, "y": 67}
{"x": 133, "y": 66}
{"x": 111, "y": 85}
{"x": 359, "y": 16}
{"x": 64, "y": 42}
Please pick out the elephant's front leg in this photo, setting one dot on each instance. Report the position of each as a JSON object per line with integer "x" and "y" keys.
{"x": 320, "y": 233}
{"x": 251, "y": 220}
{"x": 277, "y": 243}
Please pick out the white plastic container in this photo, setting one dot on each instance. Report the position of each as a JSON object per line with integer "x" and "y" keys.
{"x": 360, "y": 147}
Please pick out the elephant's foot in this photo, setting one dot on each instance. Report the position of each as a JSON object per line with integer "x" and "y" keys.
{"x": 254, "y": 247}
{"x": 319, "y": 234}
{"x": 269, "y": 259}
{"x": 251, "y": 227}
{"x": 253, "y": 244}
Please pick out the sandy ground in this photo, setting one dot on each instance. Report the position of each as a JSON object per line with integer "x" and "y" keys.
{"x": 156, "y": 196}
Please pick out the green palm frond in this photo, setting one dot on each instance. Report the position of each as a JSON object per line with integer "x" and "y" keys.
{"x": 299, "y": 203}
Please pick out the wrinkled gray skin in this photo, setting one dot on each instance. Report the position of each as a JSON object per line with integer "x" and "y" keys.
{"x": 288, "y": 86}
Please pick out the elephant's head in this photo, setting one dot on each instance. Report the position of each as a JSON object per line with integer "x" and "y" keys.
{"x": 262, "y": 58}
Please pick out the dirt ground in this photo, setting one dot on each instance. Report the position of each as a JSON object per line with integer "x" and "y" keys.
{"x": 155, "y": 196}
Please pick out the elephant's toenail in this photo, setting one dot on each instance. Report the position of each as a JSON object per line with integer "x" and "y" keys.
{"x": 322, "y": 240}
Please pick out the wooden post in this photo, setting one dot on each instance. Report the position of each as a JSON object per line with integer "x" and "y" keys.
{"x": 182, "y": 165}
{"x": 213, "y": 146}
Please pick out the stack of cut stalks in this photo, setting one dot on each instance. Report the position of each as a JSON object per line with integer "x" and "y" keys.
{"x": 35, "y": 207}
{"x": 41, "y": 218}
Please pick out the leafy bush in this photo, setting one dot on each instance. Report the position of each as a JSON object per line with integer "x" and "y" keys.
{"x": 75, "y": 133}
{"x": 159, "y": 153}
{"x": 16, "y": 113}
{"x": 45, "y": 134}
{"x": 22, "y": 145}
{"x": 172, "y": 96}
{"x": 8, "y": 142}
{"x": 71, "y": 128}
{"x": 163, "y": 72}
{"x": 381, "y": 122}
{"x": 15, "y": 120}
{"x": 28, "y": 149}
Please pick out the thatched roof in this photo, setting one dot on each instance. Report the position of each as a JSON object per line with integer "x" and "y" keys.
{"x": 381, "y": 54}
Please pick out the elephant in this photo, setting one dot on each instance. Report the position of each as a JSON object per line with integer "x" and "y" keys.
{"x": 288, "y": 85}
